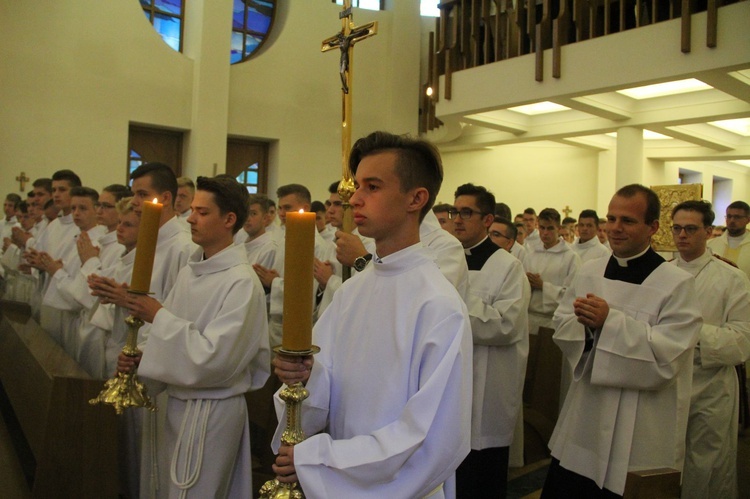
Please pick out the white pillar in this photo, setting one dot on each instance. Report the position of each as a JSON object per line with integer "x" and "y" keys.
{"x": 629, "y": 164}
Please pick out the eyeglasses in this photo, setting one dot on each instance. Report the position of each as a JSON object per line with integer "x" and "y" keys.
{"x": 494, "y": 233}
{"x": 464, "y": 213}
{"x": 689, "y": 229}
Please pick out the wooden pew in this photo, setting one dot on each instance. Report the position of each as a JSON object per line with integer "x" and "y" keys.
{"x": 662, "y": 483}
{"x": 73, "y": 443}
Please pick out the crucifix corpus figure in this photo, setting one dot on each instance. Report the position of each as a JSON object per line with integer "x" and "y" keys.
{"x": 22, "y": 179}
{"x": 345, "y": 40}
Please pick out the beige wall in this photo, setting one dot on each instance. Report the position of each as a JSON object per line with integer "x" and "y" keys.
{"x": 75, "y": 73}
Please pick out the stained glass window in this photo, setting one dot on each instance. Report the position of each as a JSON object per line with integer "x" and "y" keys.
{"x": 251, "y": 23}
{"x": 167, "y": 17}
{"x": 133, "y": 162}
{"x": 250, "y": 178}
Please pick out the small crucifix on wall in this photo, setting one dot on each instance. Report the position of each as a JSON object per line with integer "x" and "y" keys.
{"x": 567, "y": 210}
{"x": 22, "y": 179}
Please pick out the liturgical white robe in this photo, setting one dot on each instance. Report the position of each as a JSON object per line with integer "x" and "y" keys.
{"x": 498, "y": 302}
{"x": 627, "y": 406}
{"x": 711, "y": 454}
{"x": 591, "y": 249}
{"x": 391, "y": 387}
{"x": 209, "y": 345}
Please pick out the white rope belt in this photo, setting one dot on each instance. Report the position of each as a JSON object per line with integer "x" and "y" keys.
{"x": 198, "y": 411}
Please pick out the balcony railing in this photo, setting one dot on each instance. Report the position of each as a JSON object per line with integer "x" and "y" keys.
{"x": 471, "y": 33}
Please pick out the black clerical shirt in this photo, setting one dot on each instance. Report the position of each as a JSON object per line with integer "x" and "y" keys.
{"x": 638, "y": 269}
{"x": 479, "y": 254}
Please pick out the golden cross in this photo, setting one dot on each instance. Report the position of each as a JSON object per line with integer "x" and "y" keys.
{"x": 567, "y": 210}
{"x": 344, "y": 41}
{"x": 23, "y": 179}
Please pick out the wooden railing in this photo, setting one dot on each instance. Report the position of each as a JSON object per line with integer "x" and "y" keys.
{"x": 471, "y": 33}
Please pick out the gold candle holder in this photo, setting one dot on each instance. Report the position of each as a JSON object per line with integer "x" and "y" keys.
{"x": 293, "y": 396}
{"x": 125, "y": 390}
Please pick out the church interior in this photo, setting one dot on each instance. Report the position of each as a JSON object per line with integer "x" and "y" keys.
{"x": 92, "y": 86}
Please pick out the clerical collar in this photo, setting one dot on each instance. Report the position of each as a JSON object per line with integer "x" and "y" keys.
{"x": 623, "y": 262}
{"x": 696, "y": 265}
{"x": 635, "y": 269}
{"x": 467, "y": 251}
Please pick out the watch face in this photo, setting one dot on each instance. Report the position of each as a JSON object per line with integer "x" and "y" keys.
{"x": 359, "y": 264}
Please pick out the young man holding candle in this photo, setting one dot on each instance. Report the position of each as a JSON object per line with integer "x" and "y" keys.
{"x": 208, "y": 343}
{"x": 390, "y": 390}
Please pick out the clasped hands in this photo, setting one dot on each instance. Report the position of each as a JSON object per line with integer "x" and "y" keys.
{"x": 591, "y": 311}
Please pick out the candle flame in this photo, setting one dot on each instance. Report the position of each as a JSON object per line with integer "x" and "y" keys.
{"x": 155, "y": 201}
{"x": 301, "y": 210}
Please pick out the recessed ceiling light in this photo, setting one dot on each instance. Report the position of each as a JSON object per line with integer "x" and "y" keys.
{"x": 743, "y": 162}
{"x": 647, "y": 135}
{"x": 662, "y": 89}
{"x": 739, "y": 126}
{"x": 539, "y": 108}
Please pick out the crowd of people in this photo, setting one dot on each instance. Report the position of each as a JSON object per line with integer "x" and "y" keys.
{"x": 418, "y": 388}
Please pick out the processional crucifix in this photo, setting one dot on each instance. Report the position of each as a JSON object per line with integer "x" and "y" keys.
{"x": 344, "y": 41}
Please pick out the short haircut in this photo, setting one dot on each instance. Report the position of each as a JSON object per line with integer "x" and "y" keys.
{"x": 186, "y": 182}
{"x": 13, "y": 198}
{"x": 124, "y": 206}
{"x": 511, "y": 227}
{"x": 317, "y": 207}
{"x": 503, "y": 210}
{"x": 653, "y": 205}
{"x": 43, "y": 183}
{"x": 229, "y": 196}
{"x": 485, "y": 199}
{"x": 550, "y": 214}
{"x": 590, "y": 214}
{"x": 162, "y": 177}
{"x": 334, "y": 188}
{"x": 49, "y": 204}
{"x": 441, "y": 208}
{"x": 702, "y": 207}
{"x": 119, "y": 191}
{"x": 418, "y": 162}
{"x": 302, "y": 192}
{"x": 568, "y": 220}
{"x": 23, "y": 207}
{"x": 529, "y": 211}
{"x": 740, "y": 205}
{"x": 261, "y": 200}
{"x": 68, "y": 175}
{"x": 85, "y": 192}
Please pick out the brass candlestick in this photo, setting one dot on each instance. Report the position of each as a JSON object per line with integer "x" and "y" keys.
{"x": 125, "y": 389}
{"x": 293, "y": 396}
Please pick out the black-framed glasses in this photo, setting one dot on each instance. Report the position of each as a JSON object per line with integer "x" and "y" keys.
{"x": 494, "y": 233}
{"x": 464, "y": 213}
{"x": 689, "y": 229}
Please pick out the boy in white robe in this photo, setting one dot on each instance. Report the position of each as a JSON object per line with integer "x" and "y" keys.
{"x": 389, "y": 392}
{"x": 259, "y": 243}
{"x": 711, "y": 454}
{"x": 588, "y": 246}
{"x": 209, "y": 344}
{"x": 627, "y": 327}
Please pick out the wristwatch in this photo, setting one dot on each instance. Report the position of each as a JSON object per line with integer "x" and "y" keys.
{"x": 361, "y": 262}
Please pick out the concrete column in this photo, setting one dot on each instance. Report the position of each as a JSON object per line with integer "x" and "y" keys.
{"x": 208, "y": 41}
{"x": 629, "y": 163}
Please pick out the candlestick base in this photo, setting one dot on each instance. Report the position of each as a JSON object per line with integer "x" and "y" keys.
{"x": 125, "y": 390}
{"x": 293, "y": 396}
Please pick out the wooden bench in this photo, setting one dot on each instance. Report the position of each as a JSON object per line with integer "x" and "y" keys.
{"x": 73, "y": 443}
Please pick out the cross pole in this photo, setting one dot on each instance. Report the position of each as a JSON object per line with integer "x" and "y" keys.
{"x": 345, "y": 41}
{"x": 22, "y": 179}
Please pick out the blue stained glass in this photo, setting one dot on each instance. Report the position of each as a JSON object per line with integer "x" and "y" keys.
{"x": 254, "y": 166}
{"x": 236, "y": 51}
{"x": 252, "y": 189}
{"x": 146, "y": 3}
{"x": 169, "y": 29}
{"x": 171, "y": 6}
{"x": 258, "y": 22}
{"x": 241, "y": 178}
{"x": 134, "y": 154}
{"x": 251, "y": 44}
{"x": 238, "y": 15}
{"x": 148, "y": 15}
{"x": 252, "y": 177}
